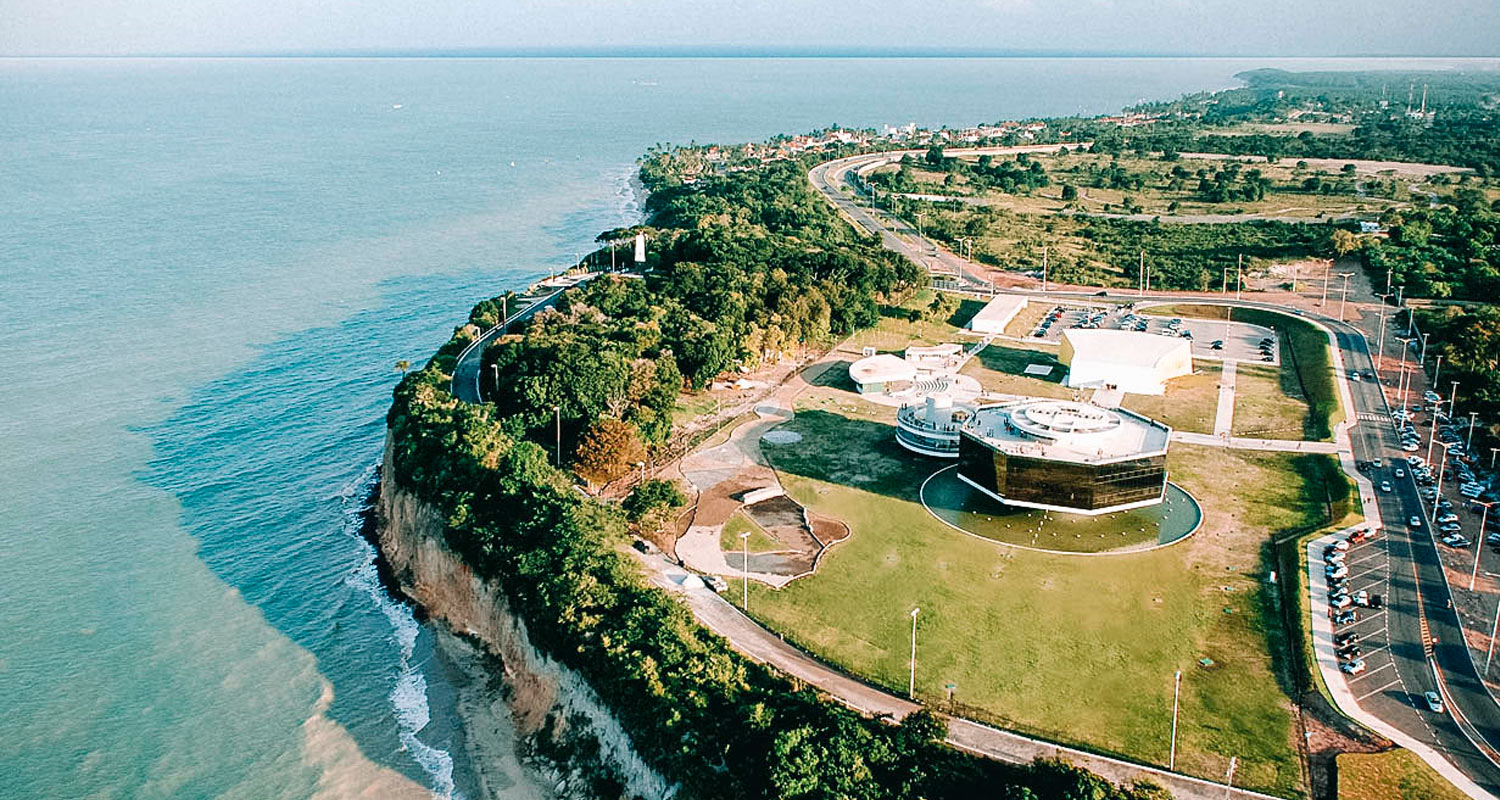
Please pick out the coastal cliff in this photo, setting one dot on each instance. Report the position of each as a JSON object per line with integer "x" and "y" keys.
{"x": 548, "y": 700}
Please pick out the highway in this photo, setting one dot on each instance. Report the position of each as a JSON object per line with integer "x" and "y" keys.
{"x": 465, "y": 383}
{"x": 1402, "y": 564}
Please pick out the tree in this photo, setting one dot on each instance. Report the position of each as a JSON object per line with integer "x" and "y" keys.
{"x": 402, "y": 366}
{"x": 1344, "y": 242}
{"x": 1069, "y": 192}
{"x": 651, "y": 504}
{"x": 609, "y": 449}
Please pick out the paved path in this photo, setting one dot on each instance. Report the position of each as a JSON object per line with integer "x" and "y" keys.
{"x": 1224, "y": 415}
{"x": 1245, "y": 443}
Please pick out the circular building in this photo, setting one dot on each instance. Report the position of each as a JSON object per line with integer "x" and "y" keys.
{"x": 931, "y": 427}
{"x": 1064, "y": 456}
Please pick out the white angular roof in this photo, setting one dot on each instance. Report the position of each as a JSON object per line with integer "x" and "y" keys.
{"x": 1126, "y": 348}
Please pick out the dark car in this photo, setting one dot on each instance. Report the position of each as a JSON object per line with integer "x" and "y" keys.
{"x": 1345, "y": 638}
{"x": 1351, "y": 651}
{"x": 1345, "y": 617}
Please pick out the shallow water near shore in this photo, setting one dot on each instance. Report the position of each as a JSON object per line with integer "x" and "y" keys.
{"x": 208, "y": 270}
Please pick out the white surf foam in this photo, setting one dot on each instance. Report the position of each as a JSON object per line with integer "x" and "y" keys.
{"x": 409, "y": 704}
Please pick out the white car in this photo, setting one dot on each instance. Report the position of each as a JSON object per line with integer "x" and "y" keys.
{"x": 1385, "y": 486}
{"x": 1353, "y": 667}
{"x": 1415, "y": 522}
{"x": 1400, "y": 473}
{"x": 1434, "y": 702}
{"x": 1354, "y": 376}
{"x": 1341, "y": 601}
{"x": 1341, "y": 544}
{"x": 1449, "y": 517}
{"x": 1362, "y": 598}
{"x": 1339, "y": 571}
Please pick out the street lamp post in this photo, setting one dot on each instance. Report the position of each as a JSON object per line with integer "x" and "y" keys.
{"x": 1469, "y": 441}
{"x": 1423, "y": 359}
{"x": 1239, "y": 277}
{"x": 1442, "y": 468}
{"x": 1437, "y": 367}
{"x": 911, "y": 684}
{"x": 1176, "y": 695}
{"x": 1344, "y": 296}
{"x": 1326, "y": 269}
{"x": 1494, "y": 628}
{"x": 745, "y": 570}
{"x": 1479, "y": 545}
{"x": 1381, "y": 358}
{"x": 1493, "y": 451}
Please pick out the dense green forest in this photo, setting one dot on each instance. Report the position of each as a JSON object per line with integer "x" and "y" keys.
{"x": 740, "y": 265}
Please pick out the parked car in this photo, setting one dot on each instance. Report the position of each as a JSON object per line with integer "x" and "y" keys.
{"x": 1340, "y": 602}
{"x": 1362, "y": 598}
{"x": 1353, "y": 667}
{"x": 1217, "y": 344}
{"x": 1400, "y": 473}
{"x": 716, "y": 583}
{"x": 1385, "y": 486}
{"x": 1337, "y": 571}
{"x": 1448, "y": 517}
{"x": 1456, "y": 540}
{"x": 1346, "y": 617}
{"x": 1349, "y": 652}
{"x": 1347, "y": 637}
{"x": 1336, "y": 557}
{"x": 1377, "y": 463}
{"x": 1434, "y": 702}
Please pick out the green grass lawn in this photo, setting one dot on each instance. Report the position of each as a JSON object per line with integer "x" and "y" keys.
{"x": 1262, "y": 409}
{"x": 1392, "y": 775}
{"x": 1077, "y": 649}
{"x": 1190, "y": 404}
{"x": 1306, "y": 366}
{"x": 759, "y": 540}
{"x": 998, "y": 368}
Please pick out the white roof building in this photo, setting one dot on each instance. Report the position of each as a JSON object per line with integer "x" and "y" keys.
{"x": 873, "y": 374}
{"x": 997, "y": 313}
{"x": 1129, "y": 361}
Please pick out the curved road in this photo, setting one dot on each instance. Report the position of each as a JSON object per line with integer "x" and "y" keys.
{"x": 1420, "y": 617}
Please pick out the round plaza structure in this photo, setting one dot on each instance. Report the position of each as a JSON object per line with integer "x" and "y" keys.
{"x": 964, "y": 508}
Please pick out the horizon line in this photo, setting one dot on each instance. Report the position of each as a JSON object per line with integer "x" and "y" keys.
{"x": 715, "y": 51}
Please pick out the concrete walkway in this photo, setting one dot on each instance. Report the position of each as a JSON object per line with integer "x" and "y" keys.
{"x": 1245, "y": 443}
{"x": 1224, "y": 415}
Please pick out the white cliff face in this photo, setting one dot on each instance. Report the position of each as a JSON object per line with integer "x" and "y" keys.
{"x": 410, "y": 537}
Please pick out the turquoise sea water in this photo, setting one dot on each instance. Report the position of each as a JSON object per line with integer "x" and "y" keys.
{"x": 207, "y": 271}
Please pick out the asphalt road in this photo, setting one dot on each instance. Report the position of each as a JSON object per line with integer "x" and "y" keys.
{"x": 1403, "y": 562}
{"x": 465, "y": 385}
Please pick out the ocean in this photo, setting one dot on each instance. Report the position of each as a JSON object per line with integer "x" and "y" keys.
{"x": 208, "y": 270}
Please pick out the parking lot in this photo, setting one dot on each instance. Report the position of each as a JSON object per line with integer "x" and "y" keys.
{"x": 1357, "y": 579}
{"x": 1212, "y": 339}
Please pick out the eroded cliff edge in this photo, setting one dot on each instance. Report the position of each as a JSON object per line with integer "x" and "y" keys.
{"x": 545, "y": 697}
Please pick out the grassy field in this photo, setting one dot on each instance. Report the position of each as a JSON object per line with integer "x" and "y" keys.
{"x": 1306, "y": 365}
{"x": 1284, "y": 197}
{"x": 1077, "y": 649}
{"x": 759, "y": 540}
{"x": 1190, "y": 403}
{"x": 1392, "y": 775}
{"x": 1264, "y": 406}
{"x": 998, "y": 368}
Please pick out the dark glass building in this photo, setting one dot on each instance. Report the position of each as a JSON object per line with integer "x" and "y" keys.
{"x": 1063, "y": 456}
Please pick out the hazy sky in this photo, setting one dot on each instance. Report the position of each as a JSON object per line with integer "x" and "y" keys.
{"x": 1211, "y": 27}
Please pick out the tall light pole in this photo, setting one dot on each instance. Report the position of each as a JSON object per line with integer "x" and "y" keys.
{"x": 1344, "y": 296}
{"x": 745, "y": 570}
{"x": 1493, "y": 451}
{"x": 1229, "y": 780}
{"x": 1479, "y": 545}
{"x": 1423, "y": 359}
{"x": 1452, "y": 399}
{"x": 1326, "y": 269}
{"x": 1176, "y": 695}
{"x": 1438, "y": 367}
{"x": 1044, "y": 268}
{"x": 1438, "y": 496}
{"x": 1380, "y": 360}
{"x": 1469, "y": 442}
{"x": 911, "y": 684}
{"x": 1141, "y": 276}
{"x": 1239, "y": 276}
{"x": 1494, "y": 628}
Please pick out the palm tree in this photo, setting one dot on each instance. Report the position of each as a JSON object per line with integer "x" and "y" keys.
{"x": 403, "y": 365}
